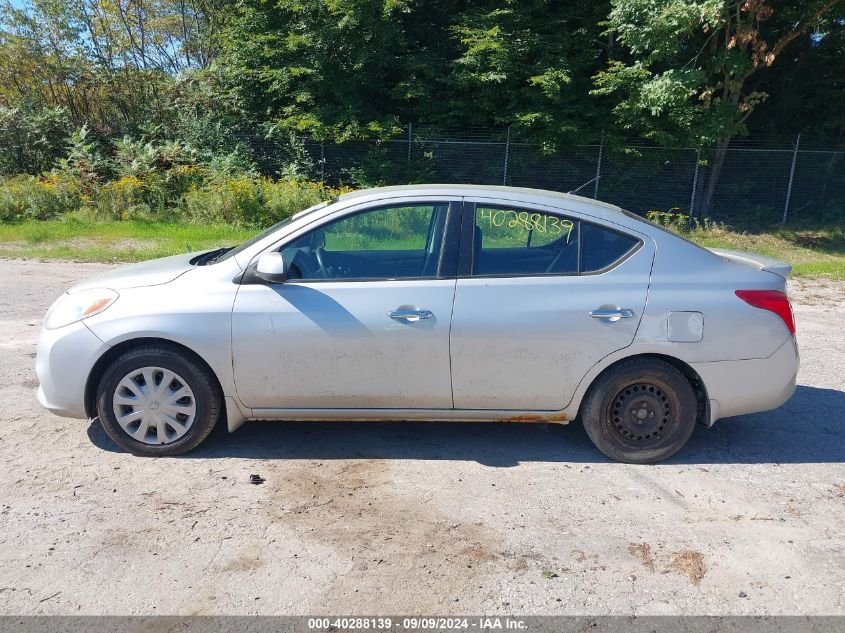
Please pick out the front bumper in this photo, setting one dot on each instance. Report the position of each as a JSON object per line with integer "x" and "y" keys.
{"x": 738, "y": 387}
{"x": 63, "y": 363}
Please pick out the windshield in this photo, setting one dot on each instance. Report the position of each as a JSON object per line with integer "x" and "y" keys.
{"x": 254, "y": 240}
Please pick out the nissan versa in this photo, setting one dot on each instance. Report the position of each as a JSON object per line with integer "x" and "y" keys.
{"x": 429, "y": 302}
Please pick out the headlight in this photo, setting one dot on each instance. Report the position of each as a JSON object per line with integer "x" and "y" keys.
{"x": 72, "y": 308}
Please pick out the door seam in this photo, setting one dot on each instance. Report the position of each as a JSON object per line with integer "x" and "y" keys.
{"x": 454, "y": 297}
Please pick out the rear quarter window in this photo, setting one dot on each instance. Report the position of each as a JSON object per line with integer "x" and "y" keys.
{"x": 603, "y": 247}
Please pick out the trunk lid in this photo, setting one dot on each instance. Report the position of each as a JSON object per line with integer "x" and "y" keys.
{"x": 760, "y": 262}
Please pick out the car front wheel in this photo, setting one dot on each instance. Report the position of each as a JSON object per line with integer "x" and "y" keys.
{"x": 155, "y": 401}
{"x": 641, "y": 411}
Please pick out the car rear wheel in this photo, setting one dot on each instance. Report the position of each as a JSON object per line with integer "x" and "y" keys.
{"x": 154, "y": 401}
{"x": 640, "y": 411}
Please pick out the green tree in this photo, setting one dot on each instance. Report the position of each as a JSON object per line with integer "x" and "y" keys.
{"x": 356, "y": 68}
{"x": 528, "y": 64}
{"x": 31, "y": 140}
{"x": 811, "y": 83}
{"x": 107, "y": 64}
{"x": 682, "y": 71}
{"x": 323, "y": 66}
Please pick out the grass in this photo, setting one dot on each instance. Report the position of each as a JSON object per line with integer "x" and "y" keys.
{"x": 112, "y": 241}
{"x": 812, "y": 253}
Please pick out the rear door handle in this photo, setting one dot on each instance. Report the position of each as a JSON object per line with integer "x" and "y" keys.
{"x": 410, "y": 315}
{"x": 612, "y": 314}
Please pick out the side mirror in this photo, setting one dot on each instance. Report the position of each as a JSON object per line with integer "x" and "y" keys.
{"x": 272, "y": 267}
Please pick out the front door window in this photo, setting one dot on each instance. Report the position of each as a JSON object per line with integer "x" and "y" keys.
{"x": 395, "y": 242}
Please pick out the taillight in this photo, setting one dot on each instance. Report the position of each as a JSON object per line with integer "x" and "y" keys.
{"x": 771, "y": 300}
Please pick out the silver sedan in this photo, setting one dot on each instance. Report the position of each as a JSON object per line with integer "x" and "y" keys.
{"x": 429, "y": 302}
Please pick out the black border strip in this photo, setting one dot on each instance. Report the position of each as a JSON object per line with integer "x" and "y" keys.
{"x": 422, "y": 623}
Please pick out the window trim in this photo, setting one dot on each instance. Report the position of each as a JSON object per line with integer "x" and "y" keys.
{"x": 448, "y": 253}
{"x": 467, "y": 247}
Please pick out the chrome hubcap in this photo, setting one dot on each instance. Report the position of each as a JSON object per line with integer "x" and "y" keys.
{"x": 154, "y": 405}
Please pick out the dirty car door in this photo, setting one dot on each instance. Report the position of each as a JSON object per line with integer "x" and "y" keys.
{"x": 541, "y": 298}
{"x": 364, "y": 320}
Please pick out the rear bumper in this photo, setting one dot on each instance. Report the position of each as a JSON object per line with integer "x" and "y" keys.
{"x": 64, "y": 361}
{"x": 738, "y": 387}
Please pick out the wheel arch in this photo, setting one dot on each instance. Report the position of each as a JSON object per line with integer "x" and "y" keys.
{"x": 114, "y": 352}
{"x": 697, "y": 384}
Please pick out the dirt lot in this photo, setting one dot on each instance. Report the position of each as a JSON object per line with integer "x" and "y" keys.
{"x": 421, "y": 518}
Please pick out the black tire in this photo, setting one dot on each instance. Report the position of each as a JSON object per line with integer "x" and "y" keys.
{"x": 641, "y": 411}
{"x": 206, "y": 397}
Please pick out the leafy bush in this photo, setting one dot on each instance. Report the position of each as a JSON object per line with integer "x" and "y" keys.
{"x": 676, "y": 220}
{"x": 163, "y": 192}
{"x": 154, "y": 179}
{"x": 283, "y": 198}
{"x": 234, "y": 200}
{"x": 121, "y": 199}
{"x": 139, "y": 159}
{"x": 31, "y": 140}
{"x": 252, "y": 202}
{"x": 32, "y": 198}
{"x": 383, "y": 164}
{"x": 185, "y": 193}
{"x": 85, "y": 162}
{"x": 231, "y": 164}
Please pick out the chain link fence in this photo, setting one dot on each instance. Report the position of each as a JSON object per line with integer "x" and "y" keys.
{"x": 762, "y": 181}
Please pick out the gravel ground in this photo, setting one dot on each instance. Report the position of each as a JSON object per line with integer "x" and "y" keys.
{"x": 421, "y": 518}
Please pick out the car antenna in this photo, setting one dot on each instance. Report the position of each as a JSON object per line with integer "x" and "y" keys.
{"x": 584, "y": 185}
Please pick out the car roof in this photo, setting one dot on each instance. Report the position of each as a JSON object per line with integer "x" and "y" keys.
{"x": 495, "y": 191}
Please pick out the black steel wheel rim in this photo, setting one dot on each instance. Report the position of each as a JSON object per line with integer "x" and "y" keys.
{"x": 643, "y": 414}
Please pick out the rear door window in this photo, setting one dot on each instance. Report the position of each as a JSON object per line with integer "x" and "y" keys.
{"x": 514, "y": 241}
{"x": 526, "y": 242}
{"x": 603, "y": 247}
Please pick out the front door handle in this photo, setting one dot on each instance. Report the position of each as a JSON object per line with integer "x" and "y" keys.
{"x": 410, "y": 315}
{"x": 613, "y": 314}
